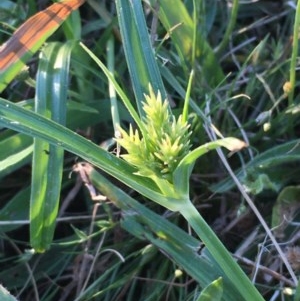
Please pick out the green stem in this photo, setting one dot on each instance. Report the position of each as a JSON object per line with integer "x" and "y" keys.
{"x": 185, "y": 111}
{"x": 220, "y": 253}
{"x": 112, "y": 92}
{"x": 229, "y": 29}
{"x": 294, "y": 54}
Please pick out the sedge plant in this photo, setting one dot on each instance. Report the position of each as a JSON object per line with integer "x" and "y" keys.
{"x": 161, "y": 150}
{"x": 158, "y": 150}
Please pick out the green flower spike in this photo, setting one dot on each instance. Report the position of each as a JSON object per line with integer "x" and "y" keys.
{"x": 164, "y": 143}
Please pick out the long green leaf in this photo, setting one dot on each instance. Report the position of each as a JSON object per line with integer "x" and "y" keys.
{"x": 213, "y": 292}
{"x": 118, "y": 89}
{"x": 30, "y": 123}
{"x": 15, "y": 151}
{"x": 47, "y": 166}
{"x": 184, "y": 168}
{"x": 5, "y": 295}
{"x": 138, "y": 50}
{"x": 220, "y": 254}
{"x": 15, "y": 210}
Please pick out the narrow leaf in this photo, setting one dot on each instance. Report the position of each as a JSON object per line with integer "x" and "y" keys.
{"x": 15, "y": 210}
{"x": 25, "y": 121}
{"x": 5, "y": 295}
{"x": 139, "y": 53}
{"x": 116, "y": 86}
{"x": 51, "y": 94}
{"x": 15, "y": 151}
{"x": 184, "y": 168}
{"x": 213, "y": 292}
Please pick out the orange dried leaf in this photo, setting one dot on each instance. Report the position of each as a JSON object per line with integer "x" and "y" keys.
{"x": 29, "y": 37}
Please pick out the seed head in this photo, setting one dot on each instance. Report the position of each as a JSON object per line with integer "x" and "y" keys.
{"x": 165, "y": 142}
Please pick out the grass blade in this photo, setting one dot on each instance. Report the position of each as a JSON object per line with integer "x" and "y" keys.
{"x": 15, "y": 151}
{"x": 35, "y": 125}
{"x": 5, "y": 295}
{"x": 138, "y": 50}
{"x": 184, "y": 169}
{"x": 51, "y": 95}
{"x": 294, "y": 55}
{"x": 213, "y": 291}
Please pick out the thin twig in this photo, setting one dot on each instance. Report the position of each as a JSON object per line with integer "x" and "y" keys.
{"x": 28, "y": 268}
{"x": 264, "y": 269}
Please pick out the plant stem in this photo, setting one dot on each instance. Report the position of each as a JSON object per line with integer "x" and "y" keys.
{"x": 294, "y": 55}
{"x": 230, "y": 27}
{"x": 220, "y": 253}
{"x": 110, "y": 49}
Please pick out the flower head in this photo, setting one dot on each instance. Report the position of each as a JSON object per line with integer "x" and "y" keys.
{"x": 164, "y": 143}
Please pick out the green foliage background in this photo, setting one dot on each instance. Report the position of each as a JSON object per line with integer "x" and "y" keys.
{"x": 128, "y": 248}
